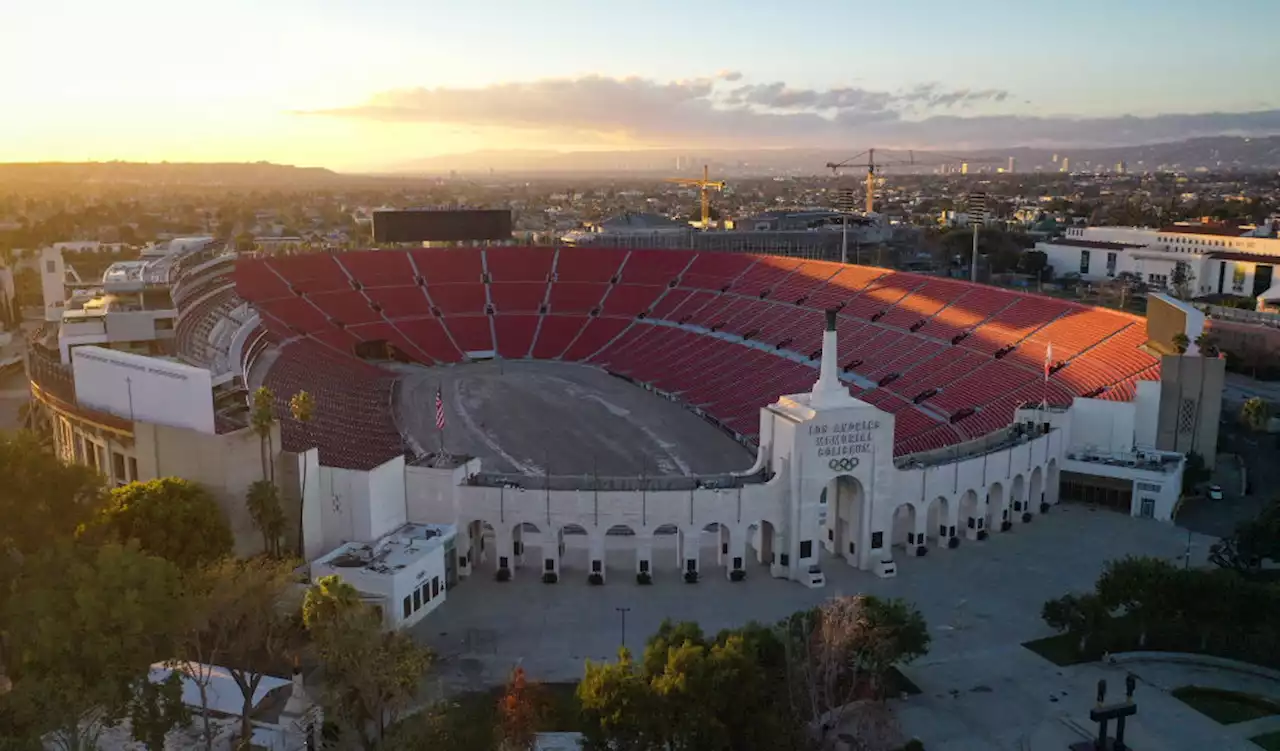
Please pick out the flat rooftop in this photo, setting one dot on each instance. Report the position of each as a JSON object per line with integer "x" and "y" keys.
{"x": 392, "y": 552}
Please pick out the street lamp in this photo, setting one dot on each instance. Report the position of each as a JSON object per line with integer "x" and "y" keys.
{"x": 623, "y": 612}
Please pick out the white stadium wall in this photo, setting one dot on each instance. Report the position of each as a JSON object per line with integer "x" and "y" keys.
{"x": 143, "y": 389}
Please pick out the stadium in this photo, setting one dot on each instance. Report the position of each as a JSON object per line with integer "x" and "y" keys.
{"x": 594, "y": 411}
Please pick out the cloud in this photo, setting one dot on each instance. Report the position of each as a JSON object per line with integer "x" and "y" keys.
{"x": 723, "y": 109}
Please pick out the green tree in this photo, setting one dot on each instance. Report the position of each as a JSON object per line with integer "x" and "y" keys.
{"x": 1250, "y": 543}
{"x": 155, "y": 709}
{"x": 370, "y": 674}
{"x": 171, "y": 518}
{"x": 249, "y": 622}
{"x": 1082, "y": 616}
{"x": 1138, "y": 586}
{"x": 1255, "y": 413}
{"x": 302, "y": 407}
{"x": 42, "y": 500}
{"x": 261, "y": 419}
{"x": 618, "y": 707}
{"x": 263, "y": 503}
{"x": 1181, "y": 342}
{"x": 85, "y": 625}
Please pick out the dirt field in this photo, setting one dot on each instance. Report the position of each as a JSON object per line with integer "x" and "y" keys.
{"x": 565, "y": 418}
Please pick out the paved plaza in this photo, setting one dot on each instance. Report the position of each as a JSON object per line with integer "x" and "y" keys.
{"x": 981, "y": 689}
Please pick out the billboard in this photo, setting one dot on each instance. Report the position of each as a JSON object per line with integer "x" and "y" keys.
{"x": 146, "y": 389}
{"x": 441, "y": 225}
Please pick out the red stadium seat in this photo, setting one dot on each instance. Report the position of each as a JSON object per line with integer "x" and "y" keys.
{"x": 895, "y": 328}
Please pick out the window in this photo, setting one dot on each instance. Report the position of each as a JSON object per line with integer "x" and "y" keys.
{"x": 1147, "y": 508}
{"x": 806, "y": 549}
{"x": 549, "y": 564}
{"x": 1084, "y": 262}
{"x": 417, "y": 600}
{"x": 644, "y": 567}
{"x": 435, "y": 586}
{"x": 408, "y": 607}
{"x": 1149, "y": 487}
{"x": 737, "y": 563}
{"x": 117, "y": 467}
{"x": 133, "y": 469}
{"x": 50, "y": 267}
{"x": 877, "y": 540}
{"x": 691, "y": 565}
{"x": 1111, "y": 264}
{"x": 595, "y": 567}
{"x": 426, "y": 593}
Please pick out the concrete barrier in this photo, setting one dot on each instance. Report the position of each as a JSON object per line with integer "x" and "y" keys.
{"x": 1191, "y": 658}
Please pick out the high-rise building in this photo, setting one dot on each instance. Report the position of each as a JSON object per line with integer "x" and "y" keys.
{"x": 1012, "y": 164}
{"x": 964, "y": 168}
{"x": 1055, "y": 158}
{"x": 1121, "y": 167}
{"x": 1066, "y": 164}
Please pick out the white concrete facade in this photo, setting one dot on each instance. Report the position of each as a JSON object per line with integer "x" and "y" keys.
{"x": 825, "y": 477}
{"x": 1217, "y": 264}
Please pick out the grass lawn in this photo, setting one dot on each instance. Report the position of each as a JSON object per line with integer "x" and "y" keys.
{"x": 1269, "y": 741}
{"x": 1226, "y": 707}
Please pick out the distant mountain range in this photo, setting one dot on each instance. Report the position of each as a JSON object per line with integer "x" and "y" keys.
{"x": 1221, "y": 153}
{"x": 263, "y": 174}
{"x": 1213, "y": 153}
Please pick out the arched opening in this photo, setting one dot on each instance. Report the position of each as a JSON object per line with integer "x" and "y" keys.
{"x": 666, "y": 549}
{"x": 903, "y": 533}
{"x": 844, "y": 518}
{"x": 481, "y": 538}
{"x": 575, "y": 548}
{"x": 713, "y": 546}
{"x": 1037, "y": 491}
{"x": 621, "y": 546}
{"x": 760, "y": 541}
{"x": 1019, "y": 496}
{"x": 528, "y": 544}
{"x": 970, "y": 515}
{"x": 997, "y": 509}
{"x": 938, "y": 521}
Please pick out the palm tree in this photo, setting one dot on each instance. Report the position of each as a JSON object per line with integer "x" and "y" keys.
{"x": 262, "y": 418}
{"x": 1205, "y": 342}
{"x": 1181, "y": 342}
{"x": 1255, "y": 413}
{"x": 301, "y": 407}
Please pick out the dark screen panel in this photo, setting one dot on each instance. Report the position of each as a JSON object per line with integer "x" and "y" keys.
{"x": 448, "y": 225}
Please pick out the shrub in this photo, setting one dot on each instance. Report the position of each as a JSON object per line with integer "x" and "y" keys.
{"x": 691, "y": 577}
{"x": 954, "y": 542}
{"x": 913, "y": 745}
{"x": 1005, "y": 526}
{"x": 643, "y": 577}
{"x": 737, "y": 575}
{"x": 1026, "y": 517}
{"x": 595, "y": 580}
{"x": 550, "y": 577}
{"x": 1044, "y": 507}
{"x": 982, "y": 534}
{"x": 503, "y": 575}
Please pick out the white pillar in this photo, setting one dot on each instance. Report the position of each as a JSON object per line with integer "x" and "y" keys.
{"x": 502, "y": 555}
{"x": 737, "y": 556}
{"x": 596, "y": 553}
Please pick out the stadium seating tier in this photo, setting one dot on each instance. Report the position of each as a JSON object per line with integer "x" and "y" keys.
{"x": 727, "y": 333}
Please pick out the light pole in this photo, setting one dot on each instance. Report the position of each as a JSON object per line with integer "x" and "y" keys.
{"x": 623, "y": 612}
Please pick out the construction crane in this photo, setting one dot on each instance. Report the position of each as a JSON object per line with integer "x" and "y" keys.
{"x": 703, "y": 185}
{"x": 871, "y": 165}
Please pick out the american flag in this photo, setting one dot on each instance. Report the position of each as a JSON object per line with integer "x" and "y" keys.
{"x": 439, "y": 409}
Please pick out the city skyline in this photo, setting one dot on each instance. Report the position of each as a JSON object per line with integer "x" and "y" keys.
{"x": 366, "y": 86}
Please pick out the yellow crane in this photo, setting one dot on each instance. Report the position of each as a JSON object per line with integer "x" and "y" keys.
{"x": 872, "y": 166}
{"x": 704, "y": 185}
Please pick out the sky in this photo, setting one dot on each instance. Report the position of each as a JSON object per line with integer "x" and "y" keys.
{"x": 368, "y": 84}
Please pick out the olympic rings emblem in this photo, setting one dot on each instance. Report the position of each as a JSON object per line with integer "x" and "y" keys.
{"x": 843, "y": 465}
